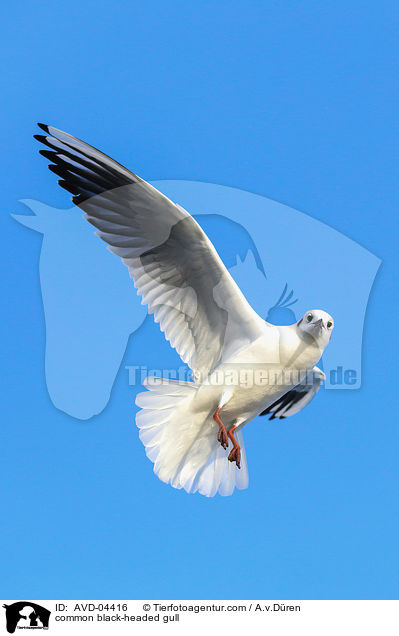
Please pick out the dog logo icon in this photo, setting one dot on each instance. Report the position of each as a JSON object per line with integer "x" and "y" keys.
{"x": 26, "y": 615}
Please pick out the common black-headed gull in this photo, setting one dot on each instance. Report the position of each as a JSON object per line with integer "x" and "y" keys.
{"x": 243, "y": 366}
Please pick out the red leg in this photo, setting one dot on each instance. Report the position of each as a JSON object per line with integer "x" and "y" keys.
{"x": 235, "y": 453}
{"x": 222, "y": 435}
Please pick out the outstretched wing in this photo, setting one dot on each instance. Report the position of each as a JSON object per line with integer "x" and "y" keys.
{"x": 175, "y": 267}
{"x": 297, "y": 398}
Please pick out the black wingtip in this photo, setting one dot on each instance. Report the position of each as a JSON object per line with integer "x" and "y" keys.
{"x": 40, "y": 138}
{"x": 272, "y": 417}
{"x": 55, "y": 169}
{"x": 43, "y": 127}
{"x": 49, "y": 154}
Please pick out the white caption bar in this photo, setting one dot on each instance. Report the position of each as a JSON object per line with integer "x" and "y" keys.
{"x": 275, "y": 618}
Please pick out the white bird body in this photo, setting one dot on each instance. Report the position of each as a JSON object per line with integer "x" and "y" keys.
{"x": 242, "y": 365}
{"x": 258, "y": 374}
{"x": 242, "y": 386}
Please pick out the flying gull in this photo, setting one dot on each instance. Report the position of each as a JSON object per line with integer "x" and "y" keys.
{"x": 242, "y": 365}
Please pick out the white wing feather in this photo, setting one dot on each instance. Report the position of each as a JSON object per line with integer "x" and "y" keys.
{"x": 174, "y": 265}
{"x": 296, "y": 398}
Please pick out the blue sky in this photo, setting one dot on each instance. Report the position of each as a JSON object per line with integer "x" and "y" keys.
{"x": 294, "y": 101}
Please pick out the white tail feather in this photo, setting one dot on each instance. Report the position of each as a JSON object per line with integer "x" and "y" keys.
{"x": 183, "y": 444}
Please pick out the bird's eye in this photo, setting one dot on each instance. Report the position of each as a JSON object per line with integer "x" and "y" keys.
{"x": 329, "y": 324}
{"x": 309, "y": 317}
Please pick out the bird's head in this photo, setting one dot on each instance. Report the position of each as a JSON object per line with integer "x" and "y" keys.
{"x": 317, "y": 324}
